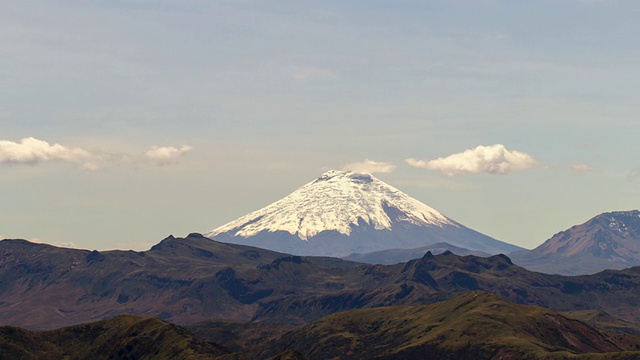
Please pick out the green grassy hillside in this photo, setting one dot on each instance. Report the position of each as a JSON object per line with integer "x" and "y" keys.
{"x": 123, "y": 337}
{"x": 476, "y": 325}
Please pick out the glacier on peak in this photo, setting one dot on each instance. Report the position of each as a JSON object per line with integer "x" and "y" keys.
{"x": 337, "y": 200}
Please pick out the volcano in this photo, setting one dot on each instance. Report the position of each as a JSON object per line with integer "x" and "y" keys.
{"x": 341, "y": 213}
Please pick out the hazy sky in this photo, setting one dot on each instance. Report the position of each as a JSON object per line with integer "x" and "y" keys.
{"x": 122, "y": 122}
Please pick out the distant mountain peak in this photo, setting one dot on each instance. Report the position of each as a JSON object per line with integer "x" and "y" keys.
{"x": 625, "y": 223}
{"x": 610, "y": 240}
{"x": 337, "y": 200}
{"x": 345, "y": 175}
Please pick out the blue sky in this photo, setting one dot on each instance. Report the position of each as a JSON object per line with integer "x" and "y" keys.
{"x": 177, "y": 116}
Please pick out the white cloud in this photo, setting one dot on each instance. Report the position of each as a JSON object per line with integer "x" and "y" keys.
{"x": 32, "y": 151}
{"x": 493, "y": 159}
{"x": 580, "y": 168}
{"x": 370, "y": 166}
{"x": 166, "y": 155}
{"x": 634, "y": 175}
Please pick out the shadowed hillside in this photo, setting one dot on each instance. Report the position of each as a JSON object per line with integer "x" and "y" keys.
{"x": 123, "y": 337}
{"x": 476, "y": 325}
{"x": 196, "y": 279}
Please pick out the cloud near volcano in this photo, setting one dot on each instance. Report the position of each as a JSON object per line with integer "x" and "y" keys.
{"x": 493, "y": 159}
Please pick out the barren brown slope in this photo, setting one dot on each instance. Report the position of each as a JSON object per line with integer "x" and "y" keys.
{"x": 603, "y": 321}
{"x": 607, "y": 241}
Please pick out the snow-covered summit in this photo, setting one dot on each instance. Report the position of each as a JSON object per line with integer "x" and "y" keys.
{"x": 342, "y": 212}
{"x": 337, "y": 200}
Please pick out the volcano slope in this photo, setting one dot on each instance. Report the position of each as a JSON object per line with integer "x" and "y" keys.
{"x": 342, "y": 213}
{"x": 186, "y": 280}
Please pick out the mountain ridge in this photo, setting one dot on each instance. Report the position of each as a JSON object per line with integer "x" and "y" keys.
{"x": 186, "y": 280}
{"x": 395, "y": 256}
{"x": 610, "y": 240}
{"x": 475, "y": 325}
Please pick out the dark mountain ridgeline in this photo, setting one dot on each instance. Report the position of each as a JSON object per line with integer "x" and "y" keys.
{"x": 197, "y": 279}
{"x": 180, "y": 280}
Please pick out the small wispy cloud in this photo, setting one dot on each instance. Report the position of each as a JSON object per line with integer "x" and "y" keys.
{"x": 91, "y": 166}
{"x": 32, "y": 151}
{"x": 64, "y": 244}
{"x": 166, "y": 155}
{"x": 370, "y": 166}
{"x": 634, "y": 175}
{"x": 67, "y": 244}
{"x": 493, "y": 159}
{"x": 312, "y": 73}
{"x": 581, "y": 168}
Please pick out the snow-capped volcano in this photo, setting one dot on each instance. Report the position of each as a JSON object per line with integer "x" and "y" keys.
{"x": 343, "y": 212}
{"x": 335, "y": 201}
